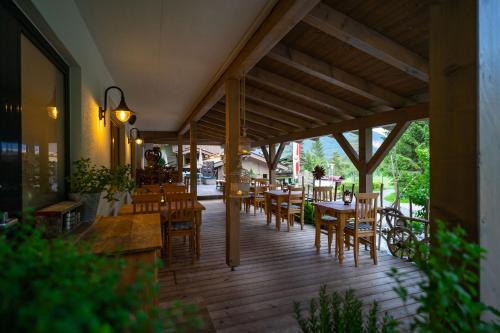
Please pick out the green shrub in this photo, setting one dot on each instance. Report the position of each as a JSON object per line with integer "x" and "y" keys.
{"x": 341, "y": 314}
{"x": 449, "y": 301}
{"x": 308, "y": 213}
{"x": 60, "y": 286}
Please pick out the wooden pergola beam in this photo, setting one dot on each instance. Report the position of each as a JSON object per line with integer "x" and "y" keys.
{"x": 335, "y": 76}
{"x": 253, "y": 121}
{"x": 338, "y": 109}
{"x": 281, "y": 116}
{"x": 277, "y": 157}
{"x": 266, "y": 154}
{"x": 348, "y": 149}
{"x": 408, "y": 113}
{"x": 288, "y": 106}
{"x": 344, "y": 28}
{"x": 260, "y": 120}
{"x": 283, "y": 17}
{"x": 252, "y": 128}
{"x": 387, "y": 145}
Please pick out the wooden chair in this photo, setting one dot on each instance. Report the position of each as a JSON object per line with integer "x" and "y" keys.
{"x": 257, "y": 198}
{"x": 173, "y": 188}
{"x": 152, "y": 188}
{"x": 322, "y": 193}
{"x": 328, "y": 223}
{"x": 180, "y": 221}
{"x": 364, "y": 225}
{"x": 294, "y": 205}
{"x": 187, "y": 182}
{"x": 147, "y": 203}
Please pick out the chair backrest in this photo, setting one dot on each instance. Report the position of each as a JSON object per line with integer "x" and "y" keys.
{"x": 152, "y": 188}
{"x": 366, "y": 209}
{"x": 180, "y": 207}
{"x": 296, "y": 196}
{"x": 173, "y": 188}
{"x": 147, "y": 203}
{"x": 323, "y": 193}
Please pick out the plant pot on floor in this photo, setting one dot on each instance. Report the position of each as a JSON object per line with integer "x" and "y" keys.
{"x": 90, "y": 203}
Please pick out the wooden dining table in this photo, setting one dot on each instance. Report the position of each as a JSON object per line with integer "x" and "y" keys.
{"x": 128, "y": 209}
{"x": 136, "y": 238}
{"x": 343, "y": 213}
{"x": 278, "y": 196}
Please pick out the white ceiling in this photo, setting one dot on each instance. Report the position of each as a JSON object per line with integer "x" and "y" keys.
{"x": 165, "y": 53}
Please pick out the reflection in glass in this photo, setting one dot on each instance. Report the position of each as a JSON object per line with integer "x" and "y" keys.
{"x": 42, "y": 128}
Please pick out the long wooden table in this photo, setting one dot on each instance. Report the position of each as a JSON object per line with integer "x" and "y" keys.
{"x": 137, "y": 238}
{"x": 342, "y": 212}
{"x": 279, "y": 196}
{"x": 128, "y": 209}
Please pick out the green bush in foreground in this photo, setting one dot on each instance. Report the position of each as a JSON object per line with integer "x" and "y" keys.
{"x": 341, "y": 314}
{"x": 60, "y": 286}
{"x": 450, "y": 287}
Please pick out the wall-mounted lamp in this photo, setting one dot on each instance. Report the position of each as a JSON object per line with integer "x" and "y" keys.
{"x": 122, "y": 112}
{"x": 135, "y": 135}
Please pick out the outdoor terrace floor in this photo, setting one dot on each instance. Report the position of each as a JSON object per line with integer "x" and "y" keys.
{"x": 276, "y": 269}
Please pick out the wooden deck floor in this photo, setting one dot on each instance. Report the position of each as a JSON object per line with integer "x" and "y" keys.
{"x": 276, "y": 269}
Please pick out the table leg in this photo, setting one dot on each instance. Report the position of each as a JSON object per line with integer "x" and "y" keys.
{"x": 317, "y": 241}
{"x": 278, "y": 213}
{"x": 340, "y": 236}
{"x": 198, "y": 234}
{"x": 268, "y": 208}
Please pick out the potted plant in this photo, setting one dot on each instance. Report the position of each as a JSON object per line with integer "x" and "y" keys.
{"x": 87, "y": 182}
{"x": 119, "y": 183}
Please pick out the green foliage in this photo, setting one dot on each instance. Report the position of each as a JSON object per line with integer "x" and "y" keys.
{"x": 408, "y": 164}
{"x": 449, "y": 301}
{"x": 341, "y": 314}
{"x": 61, "y": 286}
{"x": 308, "y": 213}
{"x": 315, "y": 156}
{"x": 342, "y": 166}
{"x": 251, "y": 173}
{"x": 89, "y": 178}
{"x": 119, "y": 181}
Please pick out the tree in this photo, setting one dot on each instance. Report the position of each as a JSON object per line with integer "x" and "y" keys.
{"x": 342, "y": 167}
{"x": 408, "y": 164}
{"x": 315, "y": 156}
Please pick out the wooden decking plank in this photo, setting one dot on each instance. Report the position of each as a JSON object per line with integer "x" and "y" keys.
{"x": 276, "y": 269}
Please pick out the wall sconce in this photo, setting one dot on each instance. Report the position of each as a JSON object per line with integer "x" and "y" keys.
{"x": 122, "y": 112}
{"x": 135, "y": 135}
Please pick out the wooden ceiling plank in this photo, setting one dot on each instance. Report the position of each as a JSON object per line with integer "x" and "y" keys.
{"x": 255, "y": 120}
{"x": 288, "y": 106}
{"x": 405, "y": 114}
{"x": 324, "y": 71}
{"x": 344, "y": 28}
{"x": 343, "y": 110}
{"x": 283, "y": 17}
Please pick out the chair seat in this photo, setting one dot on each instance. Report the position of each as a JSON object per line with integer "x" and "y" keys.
{"x": 285, "y": 205}
{"x": 328, "y": 218}
{"x": 361, "y": 226}
{"x": 182, "y": 225}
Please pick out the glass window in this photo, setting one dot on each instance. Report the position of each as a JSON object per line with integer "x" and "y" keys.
{"x": 42, "y": 100}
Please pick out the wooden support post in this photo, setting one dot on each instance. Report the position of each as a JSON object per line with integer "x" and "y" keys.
{"x": 180, "y": 158}
{"x": 272, "y": 171}
{"x": 232, "y": 160}
{"x": 464, "y": 123}
{"x": 193, "y": 162}
{"x": 365, "y": 153}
